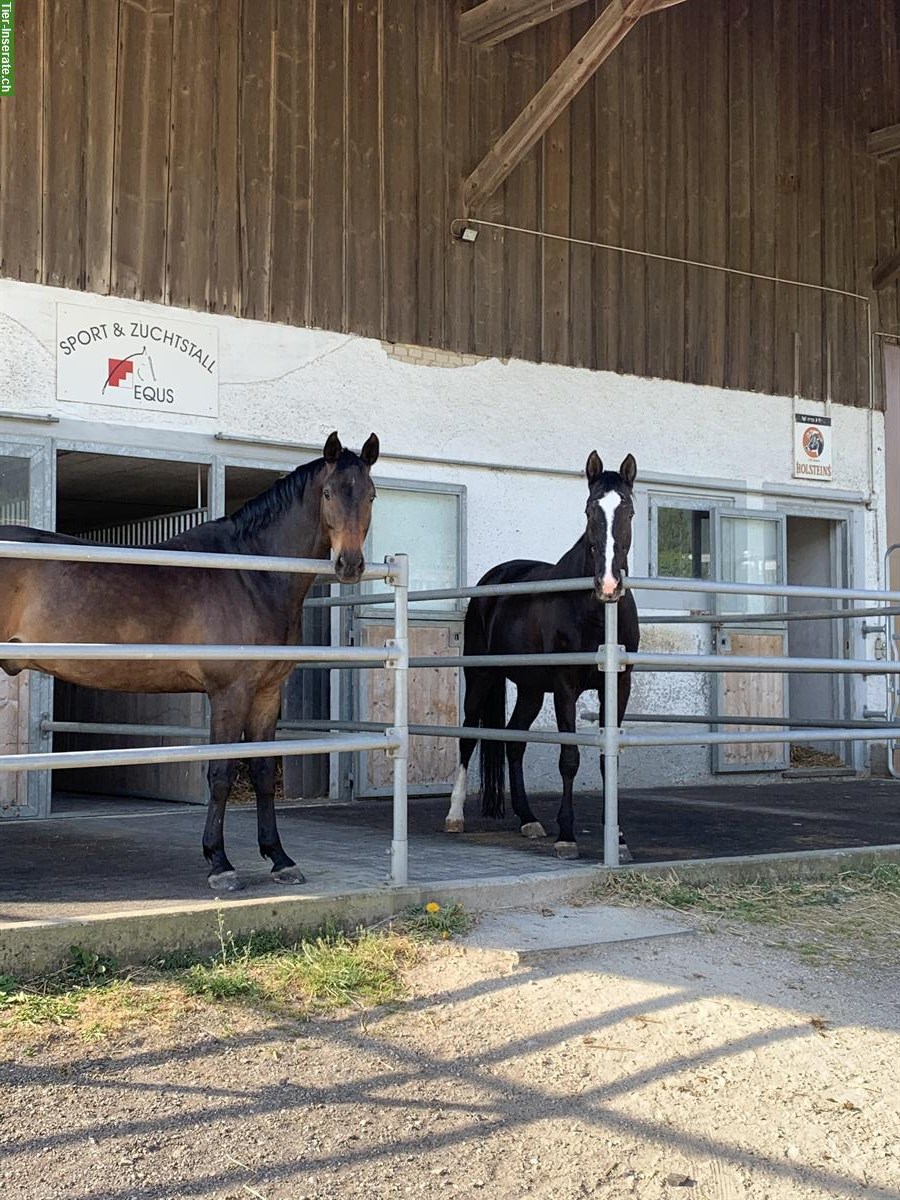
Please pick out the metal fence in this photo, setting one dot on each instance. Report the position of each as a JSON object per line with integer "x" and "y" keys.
{"x": 393, "y": 655}
{"x": 611, "y": 658}
{"x": 147, "y": 530}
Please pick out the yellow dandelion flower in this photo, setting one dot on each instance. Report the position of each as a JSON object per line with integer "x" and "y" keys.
{"x": 431, "y": 907}
{"x": 446, "y": 933}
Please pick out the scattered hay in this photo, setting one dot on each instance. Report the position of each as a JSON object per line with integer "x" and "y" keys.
{"x": 810, "y": 758}
{"x": 242, "y": 790}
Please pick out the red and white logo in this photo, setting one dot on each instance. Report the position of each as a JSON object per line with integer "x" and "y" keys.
{"x": 813, "y": 442}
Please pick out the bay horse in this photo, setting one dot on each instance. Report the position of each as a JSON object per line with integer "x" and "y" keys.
{"x": 323, "y": 507}
{"x": 549, "y": 623}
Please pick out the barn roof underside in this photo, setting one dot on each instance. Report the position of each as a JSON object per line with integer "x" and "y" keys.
{"x": 306, "y": 163}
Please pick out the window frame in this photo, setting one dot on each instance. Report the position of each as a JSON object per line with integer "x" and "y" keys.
{"x": 693, "y": 502}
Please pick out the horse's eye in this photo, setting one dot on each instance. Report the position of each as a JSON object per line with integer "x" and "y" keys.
{"x": 327, "y": 493}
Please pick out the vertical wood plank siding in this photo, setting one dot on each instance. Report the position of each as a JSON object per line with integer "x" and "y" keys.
{"x": 301, "y": 162}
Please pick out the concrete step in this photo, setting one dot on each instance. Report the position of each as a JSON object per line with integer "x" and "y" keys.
{"x": 525, "y": 936}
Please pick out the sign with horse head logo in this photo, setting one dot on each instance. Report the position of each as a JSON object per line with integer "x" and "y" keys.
{"x": 812, "y": 447}
{"x": 117, "y": 358}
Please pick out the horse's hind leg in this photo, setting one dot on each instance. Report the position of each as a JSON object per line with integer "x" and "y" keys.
{"x": 527, "y": 707}
{"x": 227, "y": 713}
{"x": 477, "y": 686}
{"x": 260, "y": 727}
{"x": 569, "y": 759}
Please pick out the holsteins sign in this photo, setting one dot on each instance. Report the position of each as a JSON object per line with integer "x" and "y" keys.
{"x": 812, "y": 448}
{"x": 151, "y": 363}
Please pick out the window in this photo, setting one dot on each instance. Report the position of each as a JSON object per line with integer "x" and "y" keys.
{"x": 683, "y": 543}
{"x": 426, "y": 525}
{"x": 751, "y": 549}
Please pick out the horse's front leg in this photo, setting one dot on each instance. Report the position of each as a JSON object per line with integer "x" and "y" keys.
{"x": 227, "y": 712}
{"x": 260, "y": 727}
{"x": 564, "y": 700}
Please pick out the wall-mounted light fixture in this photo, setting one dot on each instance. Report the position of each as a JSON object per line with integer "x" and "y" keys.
{"x": 468, "y": 233}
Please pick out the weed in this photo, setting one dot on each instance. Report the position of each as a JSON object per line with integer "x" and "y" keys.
{"x": 219, "y": 982}
{"x": 88, "y": 967}
{"x": 433, "y": 922}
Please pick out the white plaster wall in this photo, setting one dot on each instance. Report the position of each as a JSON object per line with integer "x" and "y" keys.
{"x": 297, "y": 385}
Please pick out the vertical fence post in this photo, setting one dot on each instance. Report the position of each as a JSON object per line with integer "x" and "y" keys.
{"x": 399, "y": 579}
{"x": 610, "y": 667}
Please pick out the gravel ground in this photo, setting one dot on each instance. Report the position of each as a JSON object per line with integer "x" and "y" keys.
{"x": 709, "y": 1068}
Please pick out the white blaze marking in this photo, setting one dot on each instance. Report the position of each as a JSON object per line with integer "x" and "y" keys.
{"x": 609, "y": 503}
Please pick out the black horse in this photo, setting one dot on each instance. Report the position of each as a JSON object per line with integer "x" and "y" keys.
{"x": 555, "y": 623}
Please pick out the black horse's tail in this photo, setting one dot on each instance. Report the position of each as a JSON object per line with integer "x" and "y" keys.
{"x": 493, "y": 754}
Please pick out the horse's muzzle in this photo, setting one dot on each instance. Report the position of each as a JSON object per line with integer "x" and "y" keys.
{"x": 609, "y": 597}
{"x": 349, "y": 567}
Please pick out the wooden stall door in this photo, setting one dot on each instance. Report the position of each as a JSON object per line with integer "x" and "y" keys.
{"x": 433, "y": 700}
{"x": 752, "y": 694}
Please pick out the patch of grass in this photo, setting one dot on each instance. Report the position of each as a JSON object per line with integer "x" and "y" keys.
{"x": 93, "y": 998}
{"x": 435, "y": 922}
{"x": 335, "y": 971}
{"x": 213, "y": 981}
{"x": 848, "y": 914}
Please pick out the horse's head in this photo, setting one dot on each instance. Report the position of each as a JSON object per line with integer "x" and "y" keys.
{"x": 346, "y": 506}
{"x": 610, "y": 511}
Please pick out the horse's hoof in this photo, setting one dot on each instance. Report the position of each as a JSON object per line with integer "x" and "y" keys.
{"x": 288, "y": 875}
{"x": 533, "y": 829}
{"x": 454, "y": 825}
{"x": 226, "y": 881}
{"x": 566, "y": 849}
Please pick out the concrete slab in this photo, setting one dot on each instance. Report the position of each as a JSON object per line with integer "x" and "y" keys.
{"x": 127, "y": 878}
{"x": 526, "y": 935}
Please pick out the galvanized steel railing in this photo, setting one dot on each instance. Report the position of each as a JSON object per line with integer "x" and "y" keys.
{"x": 611, "y": 658}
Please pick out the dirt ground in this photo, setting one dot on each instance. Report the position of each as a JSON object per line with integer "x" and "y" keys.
{"x": 710, "y": 1067}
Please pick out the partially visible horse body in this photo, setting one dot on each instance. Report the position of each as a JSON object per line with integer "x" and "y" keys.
{"x": 321, "y": 508}
{"x": 561, "y": 622}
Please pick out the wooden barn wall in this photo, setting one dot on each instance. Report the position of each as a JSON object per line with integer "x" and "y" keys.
{"x": 301, "y": 162}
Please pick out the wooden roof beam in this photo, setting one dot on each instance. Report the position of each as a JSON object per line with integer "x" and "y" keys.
{"x": 566, "y": 81}
{"x": 886, "y": 273}
{"x": 884, "y": 143}
{"x": 493, "y": 21}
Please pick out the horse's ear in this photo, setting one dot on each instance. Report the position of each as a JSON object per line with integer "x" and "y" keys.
{"x": 628, "y": 469}
{"x": 333, "y": 447}
{"x": 369, "y": 452}
{"x": 593, "y": 468}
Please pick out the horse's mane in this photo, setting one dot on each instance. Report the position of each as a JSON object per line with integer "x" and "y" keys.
{"x": 261, "y": 510}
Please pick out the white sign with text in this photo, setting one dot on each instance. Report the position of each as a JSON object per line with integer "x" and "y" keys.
{"x": 109, "y": 356}
{"x": 812, "y": 448}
